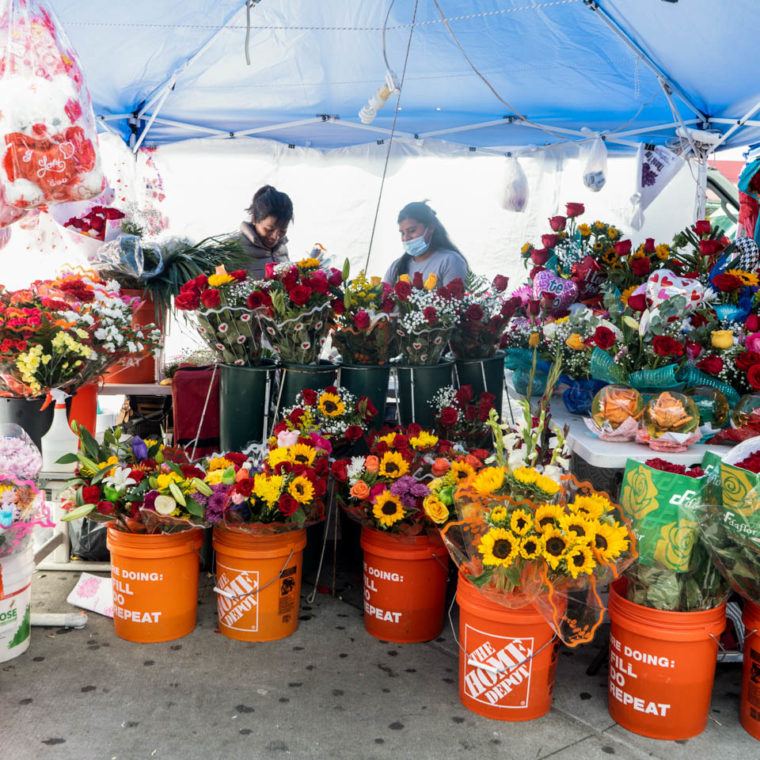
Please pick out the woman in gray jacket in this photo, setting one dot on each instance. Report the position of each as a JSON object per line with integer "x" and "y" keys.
{"x": 263, "y": 238}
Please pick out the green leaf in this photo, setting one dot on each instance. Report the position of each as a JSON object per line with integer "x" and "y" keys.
{"x": 67, "y": 458}
{"x": 482, "y": 579}
{"x": 78, "y": 512}
{"x": 194, "y": 508}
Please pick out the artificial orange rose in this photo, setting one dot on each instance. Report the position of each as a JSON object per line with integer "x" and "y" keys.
{"x": 360, "y": 490}
{"x": 440, "y": 467}
{"x": 371, "y": 463}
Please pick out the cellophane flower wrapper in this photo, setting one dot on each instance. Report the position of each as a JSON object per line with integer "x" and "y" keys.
{"x": 373, "y": 345}
{"x": 22, "y": 506}
{"x": 19, "y": 456}
{"x": 232, "y": 333}
{"x": 297, "y": 340}
{"x": 730, "y": 523}
{"x": 49, "y": 134}
{"x": 421, "y": 346}
{"x": 571, "y": 605}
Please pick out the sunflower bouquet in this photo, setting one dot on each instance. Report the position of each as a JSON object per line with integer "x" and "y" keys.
{"x": 363, "y": 320}
{"x": 224, "y": 306}
{"x": 334, "y": 413}
{"x": 140, "y": 486}
{"x": 283, "y": 492}
{"x": 294, "y": 304}
{"x": 386, "y": 490}
{"x": 523, "y": 537}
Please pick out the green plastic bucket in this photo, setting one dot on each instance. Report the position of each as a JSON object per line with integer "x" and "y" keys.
{"x": 369, "y": 380}
{"x": 473, "y": 371}
{"x": 245, "y": 398}
{"x": 417, "y": 384}
{"x": 298, "y": 377}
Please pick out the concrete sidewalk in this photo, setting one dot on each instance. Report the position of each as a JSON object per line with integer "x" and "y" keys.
{"x": 328, "y": 691}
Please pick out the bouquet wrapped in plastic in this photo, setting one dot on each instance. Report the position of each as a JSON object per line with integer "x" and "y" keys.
{"x": 47, "y": 126}
{"x": 22, "y": 504}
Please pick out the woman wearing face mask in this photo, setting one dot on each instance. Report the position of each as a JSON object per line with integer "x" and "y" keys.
{"x": 427, "y": 247}
{"x": 263, "y": 238}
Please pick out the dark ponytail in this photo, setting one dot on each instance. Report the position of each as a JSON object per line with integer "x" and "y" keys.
{"x": 422, "y": 213}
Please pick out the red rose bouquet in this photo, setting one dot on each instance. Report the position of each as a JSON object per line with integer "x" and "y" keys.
{"x": 698, "y": 248}
{"x": 483, "y": 314}
{"x": 226, "y": 315}
{"x": 294, "y": 305}
{"x": 462, "y": 418}
{"x": 426, "y": 318}
{"x": 363, "y": 320}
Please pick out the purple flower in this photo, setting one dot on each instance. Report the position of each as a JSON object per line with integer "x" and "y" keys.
{"x": 403, "y": 485}
{"x": 139, "y": 448}
{"x": 201, "y": 498}
{"x": 409, "y": 501}
{"x": 215, "y": 506}
{"x": 419, "y": 490}
{"x": 149, "y": 500}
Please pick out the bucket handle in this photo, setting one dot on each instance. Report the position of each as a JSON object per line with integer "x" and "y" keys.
{"x": 331, "y": 507}
{"x": 489, "y": 668}
{"x": 723, "y": 651}
{"x": 227, "y": 594}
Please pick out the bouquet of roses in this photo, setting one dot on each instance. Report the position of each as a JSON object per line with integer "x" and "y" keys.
{"x": 294, "y": 305}
{"x": 461, "y": 418}
{"x": 698, "y": 248}
{"x": 524, "y": 537}
{"x": 140, "y": 486}
{"x": 628, "y": 269}
{"x": 386, "y": 490}
{"x": 362, "y": 322}
{"x": 334, "y": 413}
{"x": 426, "y": 317}
{"x": 22, "y": 504}
{"x": 224, "y": 305}
{"x": 98, "y": 221}
{"x": 483, "y": 315}
{"x": 62, "y": 333}
{"x": 573, "y": 338}
{"x": 281, "y": 493}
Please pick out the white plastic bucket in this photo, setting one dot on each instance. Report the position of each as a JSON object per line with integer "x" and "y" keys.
{"x": 15, "y": 603}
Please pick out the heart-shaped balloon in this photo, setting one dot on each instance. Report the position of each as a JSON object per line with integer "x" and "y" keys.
{"x": 565, "y": 292}
{"x": 663, "y": 285}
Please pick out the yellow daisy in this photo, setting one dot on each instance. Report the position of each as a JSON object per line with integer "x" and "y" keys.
{"x": 488, "y": 480}
{"x": 393, "y": 465}
{"x": 580, "y": 559}
{"x": 556, "y": 545}
{"x": 388, "y": 509}
{"x": 331, "y": 405}
{"x": 302, "y": 453}
{"x": 267, "y": 488}
{"x": 520, "y": 522}
{"x": 308, "y": 263}
{"x": 301, "y": 489}
{"x": 389, "y": 438}
{"x": 499, "y": 547}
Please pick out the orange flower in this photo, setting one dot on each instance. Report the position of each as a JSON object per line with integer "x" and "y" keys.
{"x": 473, "y": 461}
{"x": 360, "y": 490}
{"x": 440, "y": 467}
{"x": 372, "y": 463}
{"x": 241, "y": 474}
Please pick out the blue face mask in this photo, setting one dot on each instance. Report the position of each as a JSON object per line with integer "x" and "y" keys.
{"x": 416, "y": 246}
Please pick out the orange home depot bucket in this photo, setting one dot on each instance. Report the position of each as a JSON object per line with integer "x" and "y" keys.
{"x": 155, "y": 583}
{"x": 507, "y": 659}
{"x": 750, "y": 707}
{"x": 258, "y": 583}
{"x": 662, "y": 666}
{"x": 404, "y": 586}
{"x": 84, "y": 407}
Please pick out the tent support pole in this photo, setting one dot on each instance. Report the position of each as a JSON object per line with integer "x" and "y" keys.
{"x": 607, "y": 19}
{"x": 737, "y": 125}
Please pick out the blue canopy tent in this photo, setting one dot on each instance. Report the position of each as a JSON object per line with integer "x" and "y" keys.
{"x": 493, "y": 75}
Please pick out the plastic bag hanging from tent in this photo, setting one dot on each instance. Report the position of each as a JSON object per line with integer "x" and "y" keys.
{"x": 515, "y": 186}
{"x": 594, "y": 154}
{"x": 655, "y": 167}
{"x": 47, "y": 126}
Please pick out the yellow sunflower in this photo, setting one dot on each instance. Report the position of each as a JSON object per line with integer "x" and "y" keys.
{"x": 388, "y": 509}
{"x": 331, "y": 405}
{"x": 547, "y": 485}
{"x": 526, "y": 247}
{"x": 662, "y": 251}
{"x": 547, "y": 516}
{"x": 302, "y": 453}
{"x": 610, "y": 541}
{"x": 301, "y": 489}
{"x": 593, "y": 506}
{"x": 747, "y": 278}
{"x": 531, "y": 547}
{"x": 499, "y": 547}
{"x": 578, "y": 526}
{"x": 613, "y": 233}
{"x": 278, "y": 455}
{"x": 580, "y": 559}
{"x": 525, "y": 475}
{"x": 488, "y": 480}
{"x": 609, "y": 256}
{"x": 556, "y": 545}
{"x": 424, "y": 440}
{"x": 584, "y": 230}
{"x": 461, "y": 471}
{"x": 215, "y": 280}
{"x": 393, "y": 465}
{"x": 520, "y": 522}
{"x": 498, "y": 515}
{"x": 598, "y": 246}
{"x": 626, "y": 294}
